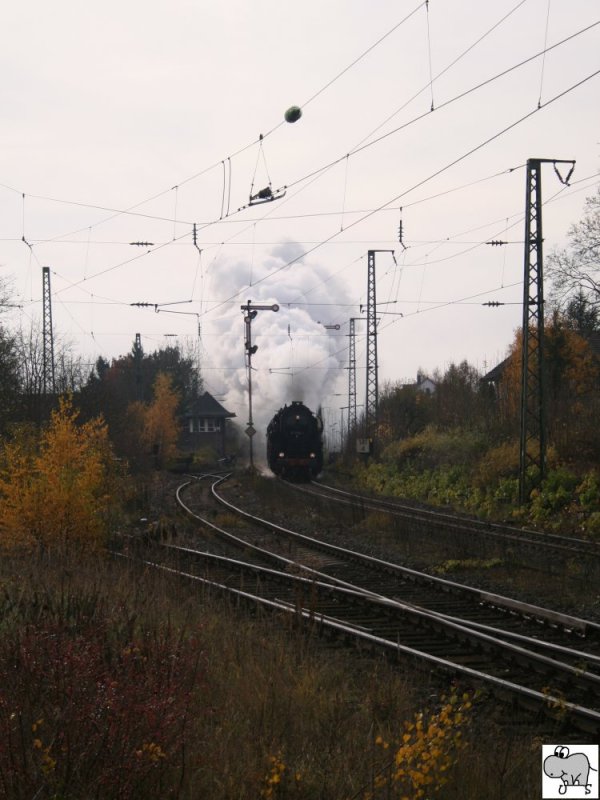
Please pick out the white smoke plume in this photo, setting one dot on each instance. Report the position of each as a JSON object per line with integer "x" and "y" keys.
{"x": 298, "y": 358}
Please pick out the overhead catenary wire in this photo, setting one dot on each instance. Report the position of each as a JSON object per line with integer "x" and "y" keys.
{"x": 441, "y": 304}
{"x": 194, "y": 176}
{"x": 404, "y": 317}
{"x": 422, "y": 182}
{"x": 517, "y": 218}
{"x": 363, "y": 54}
{"x": 460, "y": 96}
{"x": 585, "y": 29}
{"x": 544, "y": 56}
{"x": 285, "y": 217}
{"x": 357, "y": 149}
{"x": 429, "y": 56}
{"x": 316, "y": 173}
{"x": 182, "y": 239}
{"x": 449, "y": 66}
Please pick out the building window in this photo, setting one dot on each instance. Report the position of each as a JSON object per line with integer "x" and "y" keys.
{"x": 209, "y": 425}
{"x": 204, "y": 425}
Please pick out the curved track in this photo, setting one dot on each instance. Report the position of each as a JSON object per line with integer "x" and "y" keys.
{"x": 546, "y": 660}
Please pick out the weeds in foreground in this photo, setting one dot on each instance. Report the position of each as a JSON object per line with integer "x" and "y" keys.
{"x": 118, "y": 685}
{"x": 90, "y": 700}
{"x": 456, "y": 564}
{"x": 425, "y": 752}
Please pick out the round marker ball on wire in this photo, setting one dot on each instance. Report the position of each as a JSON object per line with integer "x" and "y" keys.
{"x": 293, "y": 114}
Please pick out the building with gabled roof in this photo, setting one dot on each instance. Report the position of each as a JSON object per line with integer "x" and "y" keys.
{"x": 205, "y": 424}
{"x": 422, "y": 384}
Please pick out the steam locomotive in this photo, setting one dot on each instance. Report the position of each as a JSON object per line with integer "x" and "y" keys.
{"x": 295, "y": 443}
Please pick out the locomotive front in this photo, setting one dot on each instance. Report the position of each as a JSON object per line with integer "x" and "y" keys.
{"x": 294, "y": 443}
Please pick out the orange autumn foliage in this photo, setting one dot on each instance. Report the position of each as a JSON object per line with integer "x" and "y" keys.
{"x": 159, "y": 420}
{"x": 571, "y": 370}
{"x": 57, "y": 492}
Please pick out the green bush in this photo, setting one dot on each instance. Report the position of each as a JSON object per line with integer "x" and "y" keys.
{"x": 451, "y": 468}
{"x": 592, "y": 527}
{"x": 588, "y": 492}
{"x": 556, "y": 493}
{"x": 432, "y": 448}
{"x": 496, "y": 463}
{"x": 506, "y": 491}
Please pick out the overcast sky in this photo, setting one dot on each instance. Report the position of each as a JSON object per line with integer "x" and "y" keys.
{"x": 134, "y": 121}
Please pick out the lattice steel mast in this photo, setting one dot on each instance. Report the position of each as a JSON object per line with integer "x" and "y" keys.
{"x": 47, "y": 335}
{"x": 372, "y": 398}
{"x": 352, "y": 377}
{"x": 138, "y": 355}
{"x": 533, "y": 424}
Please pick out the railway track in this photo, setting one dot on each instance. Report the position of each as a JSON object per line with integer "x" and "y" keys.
{"x": 523, "y": 538}
{"x": 542, "y": 659}
{"x": 409, "y": 585}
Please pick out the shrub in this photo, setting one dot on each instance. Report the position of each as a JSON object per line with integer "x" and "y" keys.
{"x": 593, "y": 525}
{"x": 556, "y": 493}
{"x": 588, "y": 492}
{"x": 427, "y": 750}
{"x": 62, "y": 492}
{"x": 432, "y": 448}
{"x": 91, "y": 703}
{"x": 497, "y": 462}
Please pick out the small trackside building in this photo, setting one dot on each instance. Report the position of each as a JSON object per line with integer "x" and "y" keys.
{"x": 205, "y": 422}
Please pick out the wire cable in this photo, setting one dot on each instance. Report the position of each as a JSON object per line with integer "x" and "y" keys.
{"x": 429, "y": 56}
{"x": 422, "y": 182}
{"x": 359, "y": 148}
{"x": 544, "y": 56}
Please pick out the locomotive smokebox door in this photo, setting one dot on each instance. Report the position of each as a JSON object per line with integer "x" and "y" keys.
{"x": 294, "y": 443}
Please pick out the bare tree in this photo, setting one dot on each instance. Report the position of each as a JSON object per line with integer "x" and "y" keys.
{"x": 9, "y": 363}
{"x": 576, "y": 269}
{"x": 69, "y": 370}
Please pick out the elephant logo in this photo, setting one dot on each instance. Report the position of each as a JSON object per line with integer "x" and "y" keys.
{"x": 573, "y": 770}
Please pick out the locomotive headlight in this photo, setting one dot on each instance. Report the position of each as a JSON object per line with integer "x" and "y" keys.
{"x": 281, "y": 455}
{"x": 312, "y": 455}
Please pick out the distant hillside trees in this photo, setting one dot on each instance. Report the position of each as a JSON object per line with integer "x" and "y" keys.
{"x": 403, "y": 411}
{"x": 459, "y": 400}
{"x": 463, "y": 402}
{"x": 119, "y": 390}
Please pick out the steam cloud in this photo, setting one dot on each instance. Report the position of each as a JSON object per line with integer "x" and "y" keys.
{"x": 297, "y": 357}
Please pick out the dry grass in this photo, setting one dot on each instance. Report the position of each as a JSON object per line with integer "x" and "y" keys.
{"x": 116, "y": 683}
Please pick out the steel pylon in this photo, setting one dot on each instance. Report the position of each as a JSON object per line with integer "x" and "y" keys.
{"x": 372, "y": 397}
{"x": 533, "y": 406}
{"x": 352, "y": 377}
{"x": 48, "y": 335}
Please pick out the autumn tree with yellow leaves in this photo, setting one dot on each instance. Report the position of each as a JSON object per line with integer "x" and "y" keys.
{"x": 160, "y": 429}
{"x": 572, "y": 376}
{"x": 58, "y": 490}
